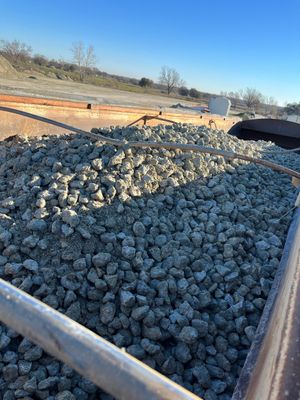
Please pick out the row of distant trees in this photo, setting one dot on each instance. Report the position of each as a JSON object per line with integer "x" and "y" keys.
{"x": 171, "y": 79}
{"x": 168, "y": 77}
{"x": 84, "y": 58}
{"x": 252, "y": 98}
{"x": 84, "y": 63}
{"x": 15, "y": 51}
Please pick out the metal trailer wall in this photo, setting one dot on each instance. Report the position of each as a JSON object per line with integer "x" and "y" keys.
{"x": 271, "y": 370}
{"x": 87, "y": 116}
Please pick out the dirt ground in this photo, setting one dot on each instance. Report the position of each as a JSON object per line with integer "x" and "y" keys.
{"x": 59, "y": 89}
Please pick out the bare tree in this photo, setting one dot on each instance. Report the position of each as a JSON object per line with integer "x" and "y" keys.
{"x": 84, "y": 58}
{"x": 90, "y": 57}
{"x": 15, "y": 51}
{"x": 170, "y": 78}
{"x": 40, "y": 59}
{"x": 241, "y": 93}
{"x": 270, "y": 105}
{"x": 234, "y": 98}
{"x": 223, "y": 93}
{"x": 252, "y": 97}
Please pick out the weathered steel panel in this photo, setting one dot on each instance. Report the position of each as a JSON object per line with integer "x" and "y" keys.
{"x": 87, "y": 116}
{"x": 271, "y": 370}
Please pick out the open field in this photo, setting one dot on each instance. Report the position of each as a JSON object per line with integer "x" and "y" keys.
{"x": 60, "y": 89}
{"x": 50, "y": 81}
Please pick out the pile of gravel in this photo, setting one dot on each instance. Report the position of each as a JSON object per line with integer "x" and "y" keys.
{"x": 166, "y": 254}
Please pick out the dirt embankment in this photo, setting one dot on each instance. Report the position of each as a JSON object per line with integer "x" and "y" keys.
{"x": 6, "y": 69}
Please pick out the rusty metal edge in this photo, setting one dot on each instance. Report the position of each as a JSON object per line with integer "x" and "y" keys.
{"x": 250, "y": 368}
{"x": 28, "y": 100}
{"x": 88, "y": 116}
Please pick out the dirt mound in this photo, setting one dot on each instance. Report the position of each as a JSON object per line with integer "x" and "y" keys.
{"x": 6, "y": 69}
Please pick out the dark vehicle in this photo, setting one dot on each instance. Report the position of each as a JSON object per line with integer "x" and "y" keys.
{"x": 283, "y": 133}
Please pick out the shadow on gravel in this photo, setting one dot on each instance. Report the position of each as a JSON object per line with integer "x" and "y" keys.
{"x": 178, "y": 277}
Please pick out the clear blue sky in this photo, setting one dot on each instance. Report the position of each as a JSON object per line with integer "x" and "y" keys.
{"x": 214, "y": 44}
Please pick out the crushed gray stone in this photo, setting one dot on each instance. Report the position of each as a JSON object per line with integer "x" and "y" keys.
{"x": 169, "y": 255}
